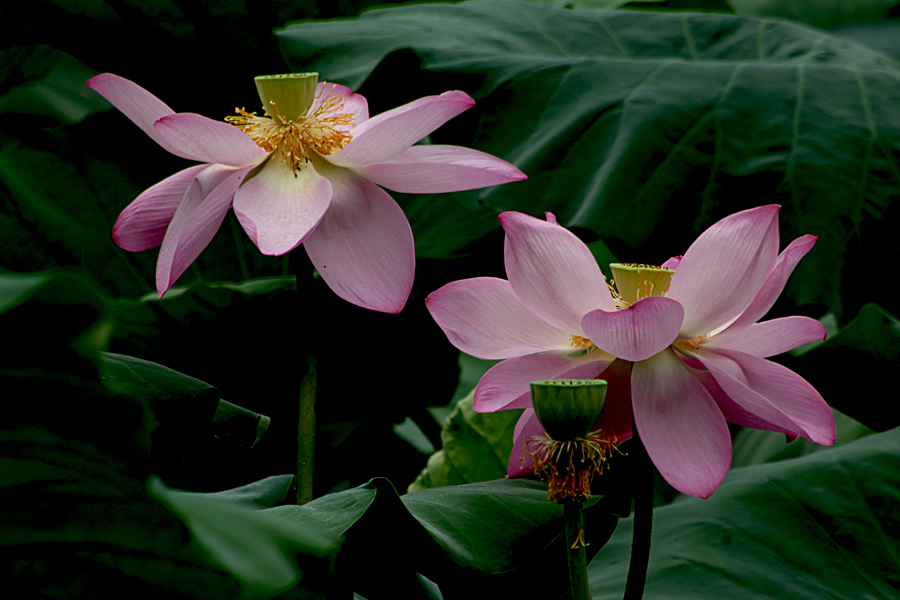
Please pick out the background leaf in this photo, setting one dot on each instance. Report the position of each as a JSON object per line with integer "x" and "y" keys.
{"x": 648, "y": 139}
{"x": 489, "y": 536}
{"x": 754, "y": 446}
{"x": 475, "y": 447}
{"x": 75, "y": 511}
{"x": 822, "y": 525}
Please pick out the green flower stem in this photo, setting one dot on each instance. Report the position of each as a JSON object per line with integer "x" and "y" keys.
{"x": 643, "y": 470}
{"x": 308, "y": 338}
{"x": 306, "y": 430}
{"x": 573, "y": 516}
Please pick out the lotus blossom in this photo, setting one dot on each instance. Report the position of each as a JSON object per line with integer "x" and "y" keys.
{"x": 306, "y": 172}
{"x": 688, "y": 329}
{"x": 533, "y": 320}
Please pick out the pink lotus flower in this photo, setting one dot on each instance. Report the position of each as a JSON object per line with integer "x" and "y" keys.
{"x": 697, "y": 351}
{"x": 308, "y": 178}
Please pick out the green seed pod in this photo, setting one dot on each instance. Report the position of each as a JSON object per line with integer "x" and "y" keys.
{"x": 291, "y": 94}
{"x": 568, "y": 408}
{"x": 635, "y": 282}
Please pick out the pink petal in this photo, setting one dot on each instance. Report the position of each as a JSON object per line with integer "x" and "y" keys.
{"x": 672, "y": 263}
{"x": 769, "y": 337}
{"x": 773, "y": 393}
{"x": 386, "y": 135}
{"x": 431, "y": 169}
{"x": 143, "y": 223}
{"x": 209, "y": 141}
{"x": 353, "y": 104}
{"x": 483, "y": 317}
{"x": 775, "y": 282}
{"x": 279, "y": 208}
{"x": 196, "y": 221}
{"x": 363, "y": 248}
{"x": 136, "y": 103}
{"x": 506, "y": 384}
{"x": 637, "y": 332}
{"x": 527, "y": 427}
{"x": 724, "y": 269}
{"x": 552, "y": 271}
{"x": 680, "y": 425}
{"x": 734, "y": 412}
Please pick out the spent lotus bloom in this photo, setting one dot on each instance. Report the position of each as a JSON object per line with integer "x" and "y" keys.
{"x": 688, "y": 329}
{"x": 306, "y": 172}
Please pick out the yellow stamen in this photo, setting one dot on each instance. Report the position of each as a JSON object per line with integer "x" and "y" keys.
{"x": 579, "y": 541}
{"x": 318, "y": 130}
{"x": 581, "y": 343}
{"x": 692, "y": 345}
{"x": 570, "y": 466}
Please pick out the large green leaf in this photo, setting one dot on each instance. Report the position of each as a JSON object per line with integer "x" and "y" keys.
{"x": 489, "y": 536}
{"x": 648, "y": 127}
{"x": 181, "y": 400}
{"x": 821, "y": 526}
{"x": 475, "y": 447}
{"x": 47, "y": 83}
{"x": 259, "y": 549}
{"x": 821, "y": 13}
{"x": 754, "y": 446}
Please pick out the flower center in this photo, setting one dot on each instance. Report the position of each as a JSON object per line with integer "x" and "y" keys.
{"x": 581, "y": 343}
{"x": 633, "y": 282}
{"x": 309, "y": 122}
{"x": 692, "y": 345}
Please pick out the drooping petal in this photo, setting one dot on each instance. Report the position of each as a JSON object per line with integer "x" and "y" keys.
{"x": 527, "y": 427}
{"x": 775, "y": 282}
{"x": 363, "y": 248}
{"x": 279, "y": 208}
{"x": 734, "y": 412}
{"x": 724, "y": 269}
{"x": 136, "y": 103}
{"x": 353, "y": 104}
{"x": 506, "y": 384}
{"x": 386, "y": 135}
{"x": 209, "y": 141}
{"x": 484, "y": 318}
{"x": 143, "y": 223}
{"x": 196, "y": 221}
{"x": 770, "y": 337}
{"x": 680, "y": 424}
{"x": 432, "y": 169}
{"x": 552, "y": 271}
{"x": 637, "y": 332}
{"x": 773, "y": 393}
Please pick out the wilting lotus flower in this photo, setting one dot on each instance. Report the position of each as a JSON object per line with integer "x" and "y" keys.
{"x": 688, "y": 328}
{"x": 304, "y": 173}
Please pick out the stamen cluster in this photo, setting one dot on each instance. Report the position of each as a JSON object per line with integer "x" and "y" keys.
{"x": 569, "y": 466}
{"x": 319, "y": 130}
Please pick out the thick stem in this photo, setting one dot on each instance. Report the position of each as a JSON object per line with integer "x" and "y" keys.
{"x": 306, "y": 431}
{"x": 573, "y": 516}
{"x": 308, "y": 337}
{"x": 643, "y": 470}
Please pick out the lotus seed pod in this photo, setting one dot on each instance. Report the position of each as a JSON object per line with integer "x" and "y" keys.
{"x": 568, "y": 408}
{"x": 291, "y": 95}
